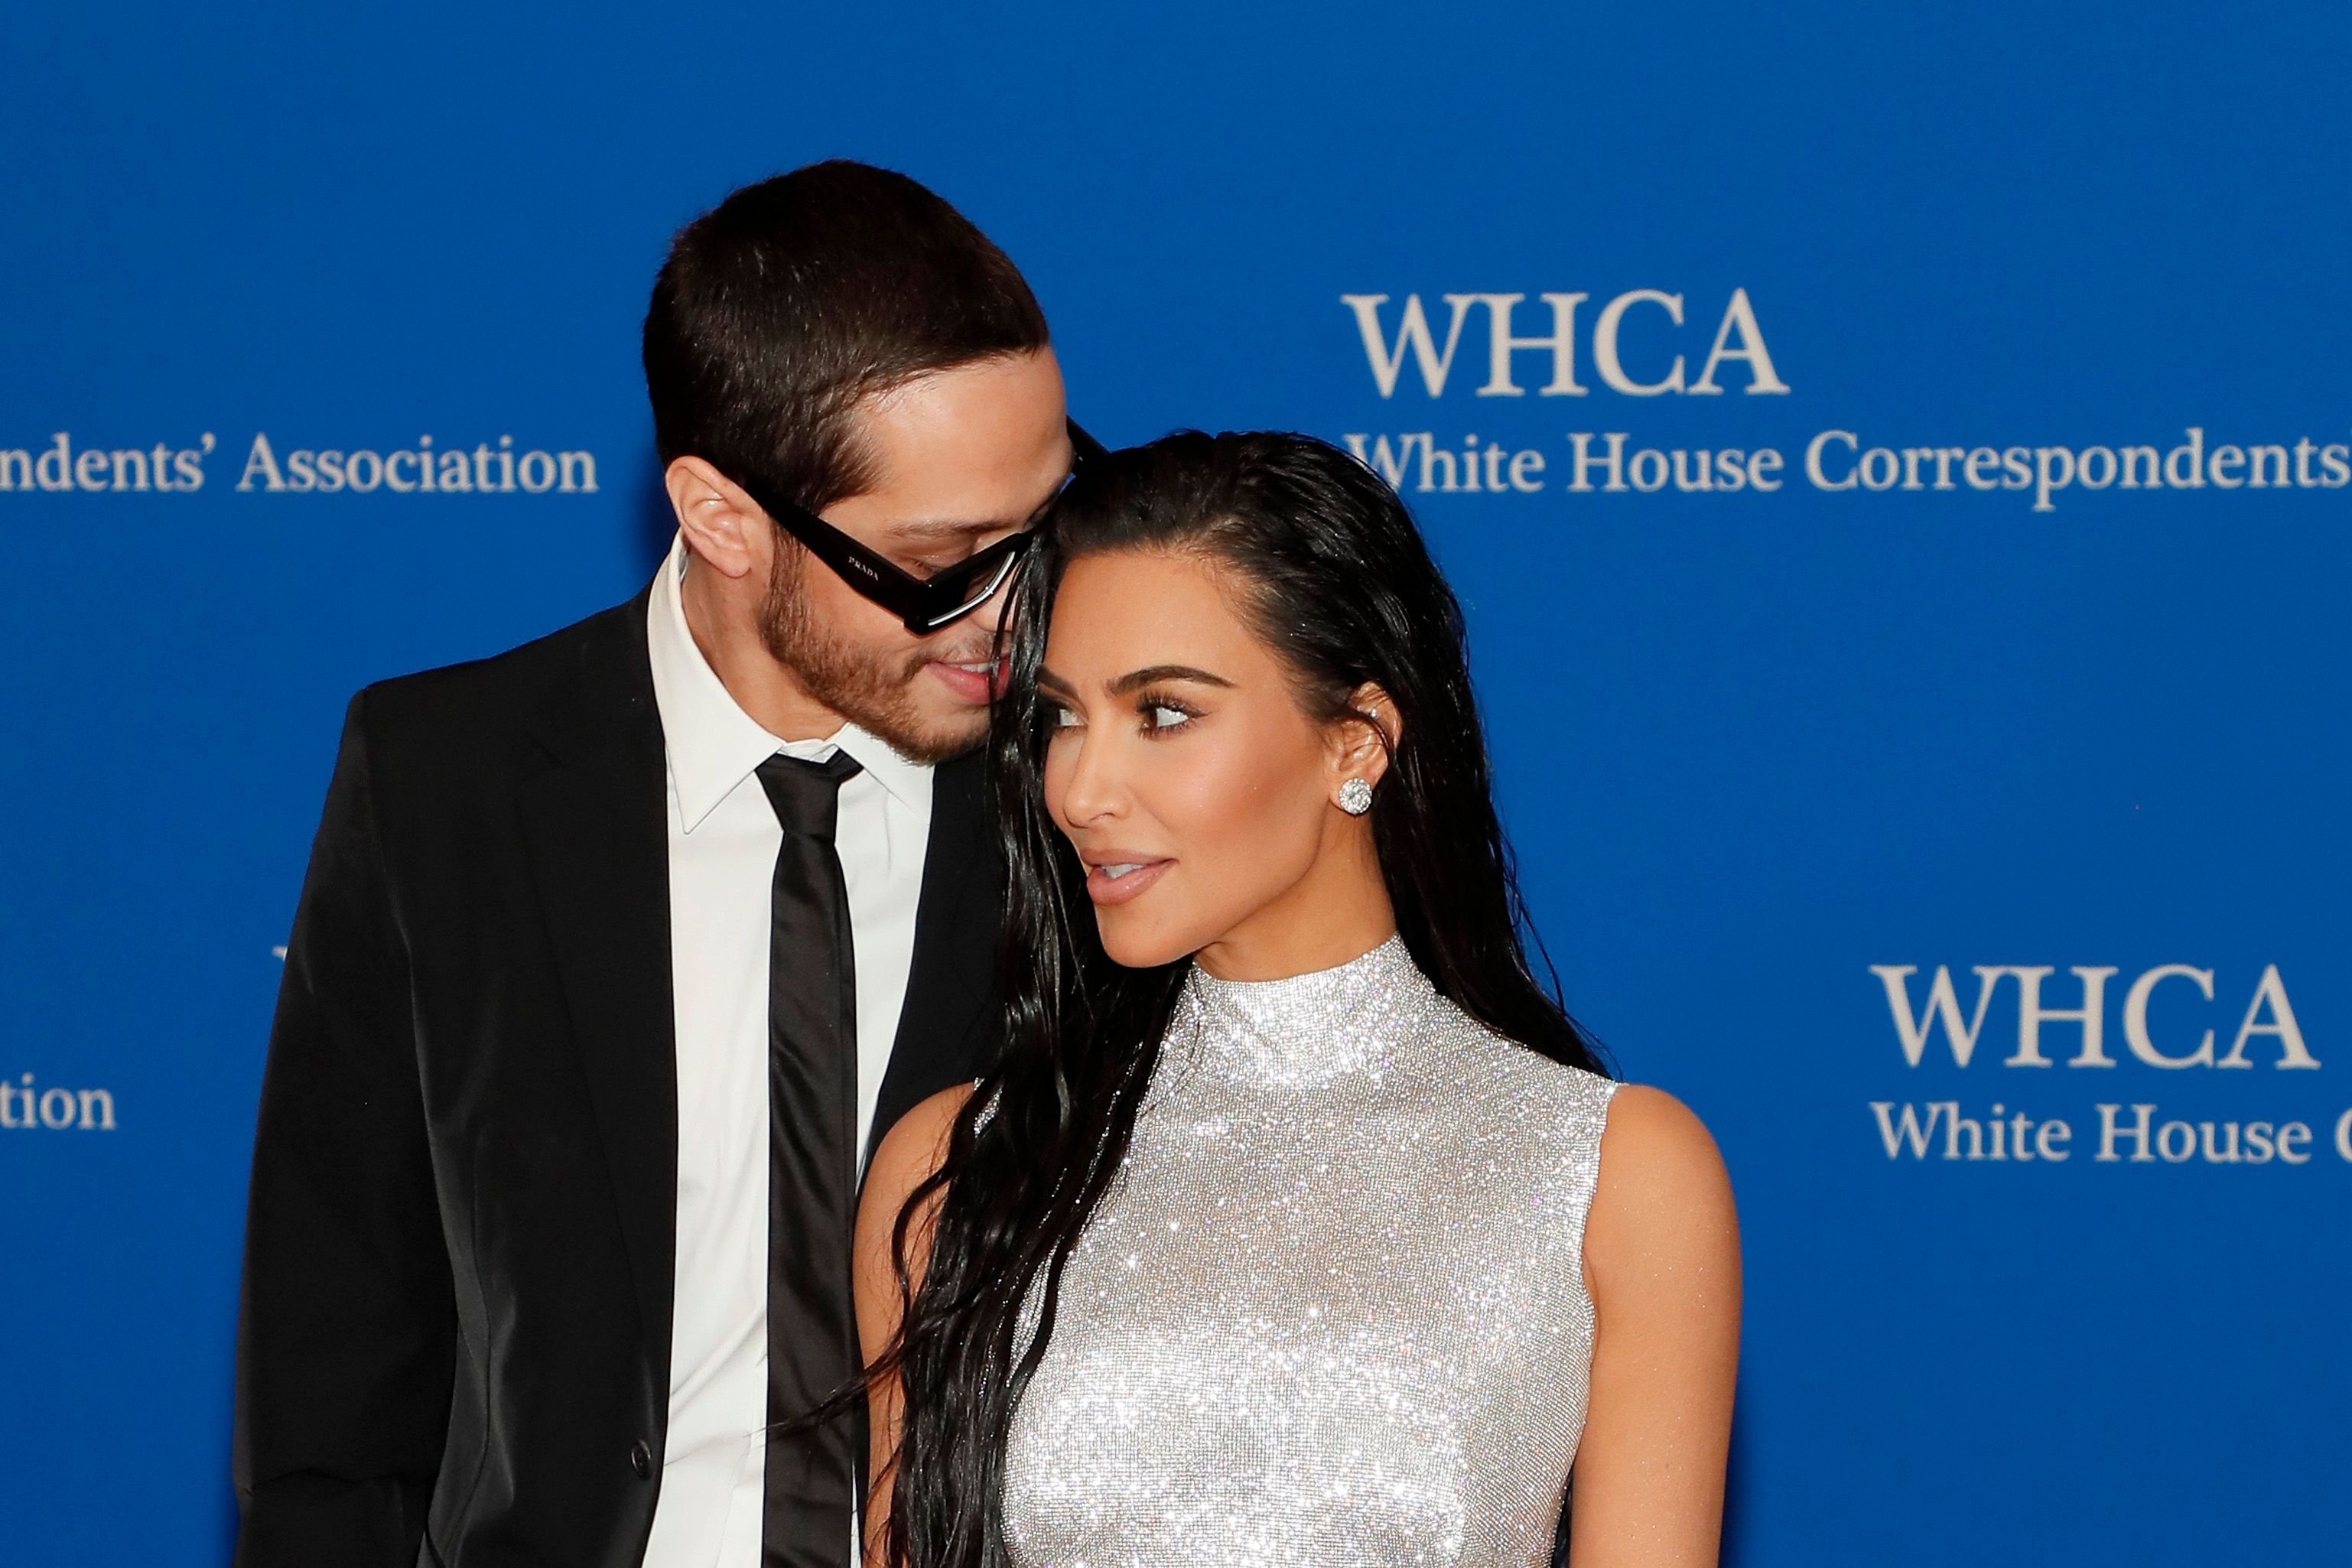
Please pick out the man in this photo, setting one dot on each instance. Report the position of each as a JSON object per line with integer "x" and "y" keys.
{"x": 617, "y": 951}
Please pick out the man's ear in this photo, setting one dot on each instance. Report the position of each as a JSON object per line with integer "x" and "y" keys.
{"x": 723, "y": 526}
{"x": 1360, "y": 750}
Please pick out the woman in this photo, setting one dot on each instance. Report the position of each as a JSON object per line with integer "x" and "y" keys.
{"x": 1298, "y": 1223}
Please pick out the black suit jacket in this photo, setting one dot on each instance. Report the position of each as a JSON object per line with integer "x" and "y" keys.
{"x": 453, "y": 1344}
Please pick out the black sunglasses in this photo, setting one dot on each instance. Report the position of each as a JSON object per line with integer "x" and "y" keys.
{"x": 924, "y": 604}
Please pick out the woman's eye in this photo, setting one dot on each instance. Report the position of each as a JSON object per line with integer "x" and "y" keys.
{"x": 1065, "y": 720}
{"x": 1163, "y": 716}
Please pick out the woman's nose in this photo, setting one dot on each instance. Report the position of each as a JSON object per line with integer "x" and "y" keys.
{"x": 1091, "y": 791}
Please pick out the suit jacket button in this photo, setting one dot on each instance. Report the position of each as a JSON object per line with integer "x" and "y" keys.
{"x": 641, "y": 1459}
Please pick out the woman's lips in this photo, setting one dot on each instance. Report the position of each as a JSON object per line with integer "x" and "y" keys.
{"x": 1106, "y": 888}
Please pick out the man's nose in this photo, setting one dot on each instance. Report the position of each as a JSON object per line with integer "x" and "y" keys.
{"x": 991, "y": 614}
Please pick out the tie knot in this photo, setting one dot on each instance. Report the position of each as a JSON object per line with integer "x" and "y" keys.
{"x": 808, "y": 795}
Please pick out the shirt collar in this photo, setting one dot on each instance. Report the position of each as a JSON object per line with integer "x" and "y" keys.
{"x": 713, "y": 745}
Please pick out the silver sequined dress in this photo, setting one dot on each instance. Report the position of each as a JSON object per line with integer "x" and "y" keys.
{"x": 1333, "y": 1311}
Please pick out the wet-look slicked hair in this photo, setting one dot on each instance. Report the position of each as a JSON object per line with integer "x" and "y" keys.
{"x": 1333, "y": 576}
{"x": 779, "y": 308}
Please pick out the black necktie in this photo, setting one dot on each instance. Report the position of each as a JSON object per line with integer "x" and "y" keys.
{"x": 811, "y": 1474}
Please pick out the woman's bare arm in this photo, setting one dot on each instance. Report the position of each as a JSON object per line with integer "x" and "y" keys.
{"x": 1661, "y": 1257}
{"x": 909, "y": 1154}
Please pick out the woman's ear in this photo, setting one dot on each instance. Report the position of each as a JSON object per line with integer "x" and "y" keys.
{"x": 1360, "y": 746}
{"x": 723, "y": 526}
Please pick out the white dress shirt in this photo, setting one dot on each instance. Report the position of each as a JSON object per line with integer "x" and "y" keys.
{"x": 723, "y": 844}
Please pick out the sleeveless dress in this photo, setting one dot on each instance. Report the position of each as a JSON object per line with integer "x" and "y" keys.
{"x": 1332, "y": 1312}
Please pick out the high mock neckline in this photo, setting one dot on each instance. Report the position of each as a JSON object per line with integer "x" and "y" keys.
{"x": 1304, "y": 1028}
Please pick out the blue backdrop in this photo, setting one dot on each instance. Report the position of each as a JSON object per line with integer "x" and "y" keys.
{"x": 1777, "y": 755}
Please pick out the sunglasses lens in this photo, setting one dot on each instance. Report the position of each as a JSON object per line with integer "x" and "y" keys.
{"x": 965, "y": 587}
{"x": 971, "y": 595}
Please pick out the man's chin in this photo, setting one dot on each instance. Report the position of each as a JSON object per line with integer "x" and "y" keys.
{"x": 933, "y": 734}
{"x": 925, "y": 710}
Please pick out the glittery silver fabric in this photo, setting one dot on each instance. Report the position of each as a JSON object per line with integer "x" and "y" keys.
{"x": 1333, "y": 1310}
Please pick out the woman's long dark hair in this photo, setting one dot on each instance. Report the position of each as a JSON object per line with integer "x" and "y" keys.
{"x": 1341, "y": 586}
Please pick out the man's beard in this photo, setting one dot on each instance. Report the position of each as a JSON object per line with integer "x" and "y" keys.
{"x": 863, "y": 689}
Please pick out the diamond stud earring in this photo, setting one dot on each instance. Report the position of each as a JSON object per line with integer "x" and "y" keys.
{"x": 1355, "y": 797}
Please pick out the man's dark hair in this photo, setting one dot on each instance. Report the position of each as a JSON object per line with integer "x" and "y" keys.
{"x": 779, "y": 308}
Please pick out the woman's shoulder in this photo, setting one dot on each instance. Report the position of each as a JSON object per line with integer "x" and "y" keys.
{"x": 927, "y": 1123}
{"x": 1653, "y": 1136}
{"x": 1663, "y": 1194}
{"x": 1520, "y": 1071}
{"x": 913, "y": 1147}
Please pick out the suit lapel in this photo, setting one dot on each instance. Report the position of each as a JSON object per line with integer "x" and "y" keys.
{"x": 947, "y": 1024}
{"x": 597, "y": 824}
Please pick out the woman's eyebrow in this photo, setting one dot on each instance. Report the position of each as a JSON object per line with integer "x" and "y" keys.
{"x": 1152, "y": 674}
